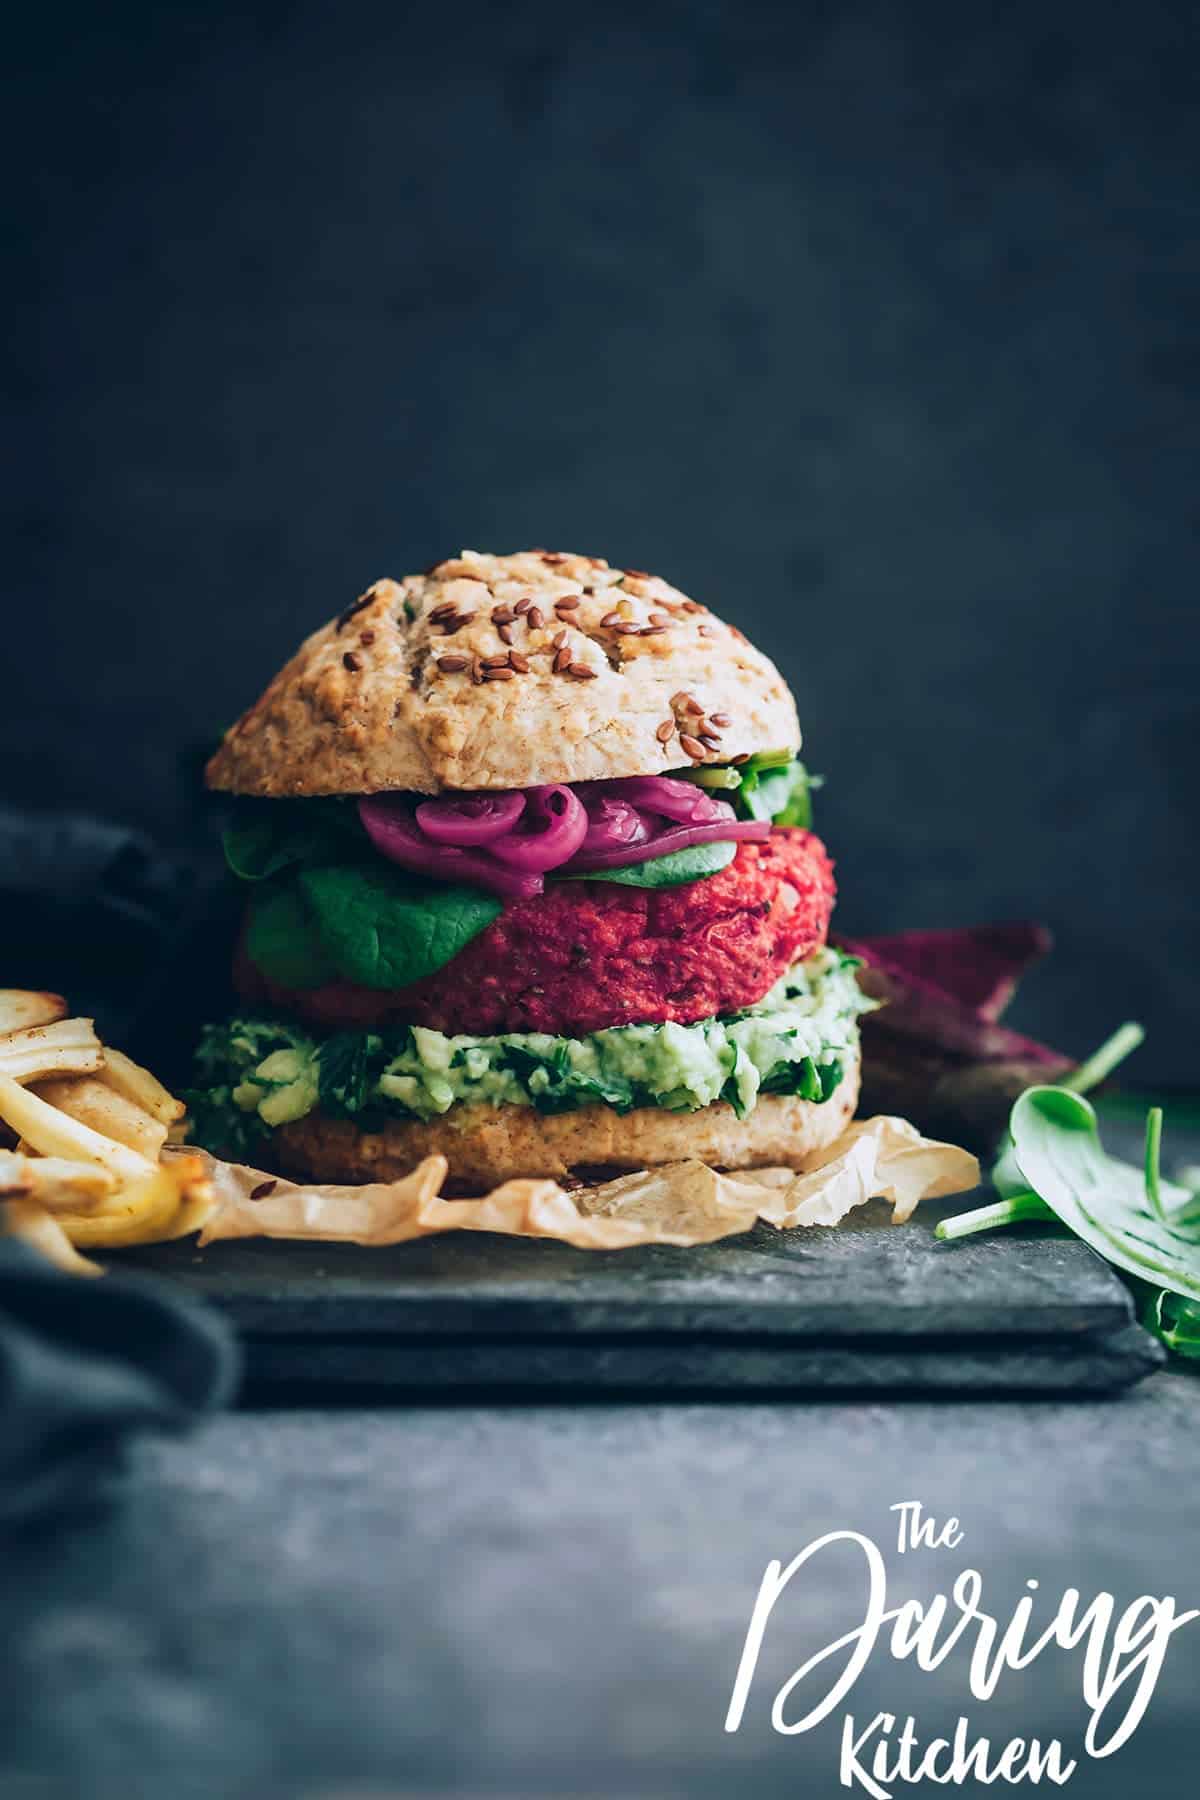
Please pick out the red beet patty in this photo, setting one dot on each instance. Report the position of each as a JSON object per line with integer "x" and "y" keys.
{"x": 586, "y": 955}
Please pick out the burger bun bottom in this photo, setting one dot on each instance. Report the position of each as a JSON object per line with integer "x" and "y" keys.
{"x": 485, "y": 1145}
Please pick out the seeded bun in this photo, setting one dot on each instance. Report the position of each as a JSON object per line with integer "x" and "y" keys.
{"x": 505, "y": 672}
{"x": 488, "y": 1144}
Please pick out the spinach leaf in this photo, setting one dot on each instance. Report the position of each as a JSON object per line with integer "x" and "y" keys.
{"x": 672, "y": 870}
{"x": 265, "y": 837}
{"x": 1055, "y": 1170}
{"x": 1102, "y": 1199}
{"x": 225, "y": 1052}
{"x": 384, "y": 929}
{"x": 283, "y": 940}
{"x": 1173, "y": 1319}
{"x": 1006, "y": 1176}
{"x": 1018, "y": 1204}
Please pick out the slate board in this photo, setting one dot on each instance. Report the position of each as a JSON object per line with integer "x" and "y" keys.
{"x": 866, "y": 1306}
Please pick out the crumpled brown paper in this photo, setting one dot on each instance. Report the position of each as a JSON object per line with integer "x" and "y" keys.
{"x": 681, "y": 1203}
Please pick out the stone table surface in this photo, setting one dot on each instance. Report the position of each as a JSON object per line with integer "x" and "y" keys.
{"x": 551, "y": 1600}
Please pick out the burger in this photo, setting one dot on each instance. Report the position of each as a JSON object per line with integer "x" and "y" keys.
{"x": 530, "y": 883}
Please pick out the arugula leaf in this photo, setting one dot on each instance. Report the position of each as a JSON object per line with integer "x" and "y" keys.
{"x": 385, "y": 929}
{"x": 772, "y": 785}
{"x": 807, "y": 1079}
{"x": 216, "y": 1123}
{"x": 802, "y": 1078}
{"x": 225, "y": 1052}
{"x": 775, "y": 792}
{"x": 672, "y": 870}
{"x": 830, "y": 1076}
{"x": 563, "y": 1088}
{"x": 283, "y": 940}
{"x": 344, "y": 1072}
{"x": 797, "y": 805}
{"x": 523, "y": 1062}
{"x": 575, "y": 1090}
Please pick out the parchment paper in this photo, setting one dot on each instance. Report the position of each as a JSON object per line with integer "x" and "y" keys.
{"x": 680, "y": 1203}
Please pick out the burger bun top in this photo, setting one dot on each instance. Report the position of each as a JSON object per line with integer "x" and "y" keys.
{"x": 507, "y": 672}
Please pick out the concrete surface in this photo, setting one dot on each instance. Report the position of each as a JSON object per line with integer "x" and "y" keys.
{"x": 552, "y": 1601}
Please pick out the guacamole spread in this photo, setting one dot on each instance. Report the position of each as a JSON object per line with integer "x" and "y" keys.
{"x": 263, "y": 1073}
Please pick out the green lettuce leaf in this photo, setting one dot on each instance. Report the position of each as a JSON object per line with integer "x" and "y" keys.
{"x": 772, "y": 785}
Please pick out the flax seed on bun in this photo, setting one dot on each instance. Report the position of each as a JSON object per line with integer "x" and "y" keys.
{"x": 507, "y": 672}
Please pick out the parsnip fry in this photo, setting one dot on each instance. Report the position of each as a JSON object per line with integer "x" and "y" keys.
{"x": 140, "y": 1086}
{"x": 54, "y": 1182}
{"x": 52, "y": 1133}
{"x": 15, "y": 1179}
{"x": 94, "y": 1103}
{"x": 195, "y": 1210}
{"x": 141, "y": 1212}
{"x": 197, "y": 1197}
{"x": 67, "y": 1047}
{"x": 22, "y": 1007}
{"x": 43, "y": 1233}
{"x": 90, "y": 1127}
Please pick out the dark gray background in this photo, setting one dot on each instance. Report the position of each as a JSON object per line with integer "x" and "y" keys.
{"x": 875, "y": 326}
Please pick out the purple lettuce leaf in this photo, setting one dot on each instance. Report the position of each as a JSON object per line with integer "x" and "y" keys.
{"x": 947, "y": 989}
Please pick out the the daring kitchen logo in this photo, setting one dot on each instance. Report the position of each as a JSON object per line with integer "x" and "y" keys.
{"x": 1122, "y": 1658}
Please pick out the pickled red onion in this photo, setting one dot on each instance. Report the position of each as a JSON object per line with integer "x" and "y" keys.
{"x": 467, "y": 819}
{"x": 508, "y": 842}
{"x": 612, "y": 823}
{"x": 676, "y": 837}
{"x": 389, "y": 822}
{"x": 671, "y": 798}
{"x": 561, "y": 826}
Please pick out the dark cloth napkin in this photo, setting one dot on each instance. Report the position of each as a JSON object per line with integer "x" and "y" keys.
{"x": 139, "y": 939}
{"x": 86, "y": 1364}
{"x": 135, "y": 936}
